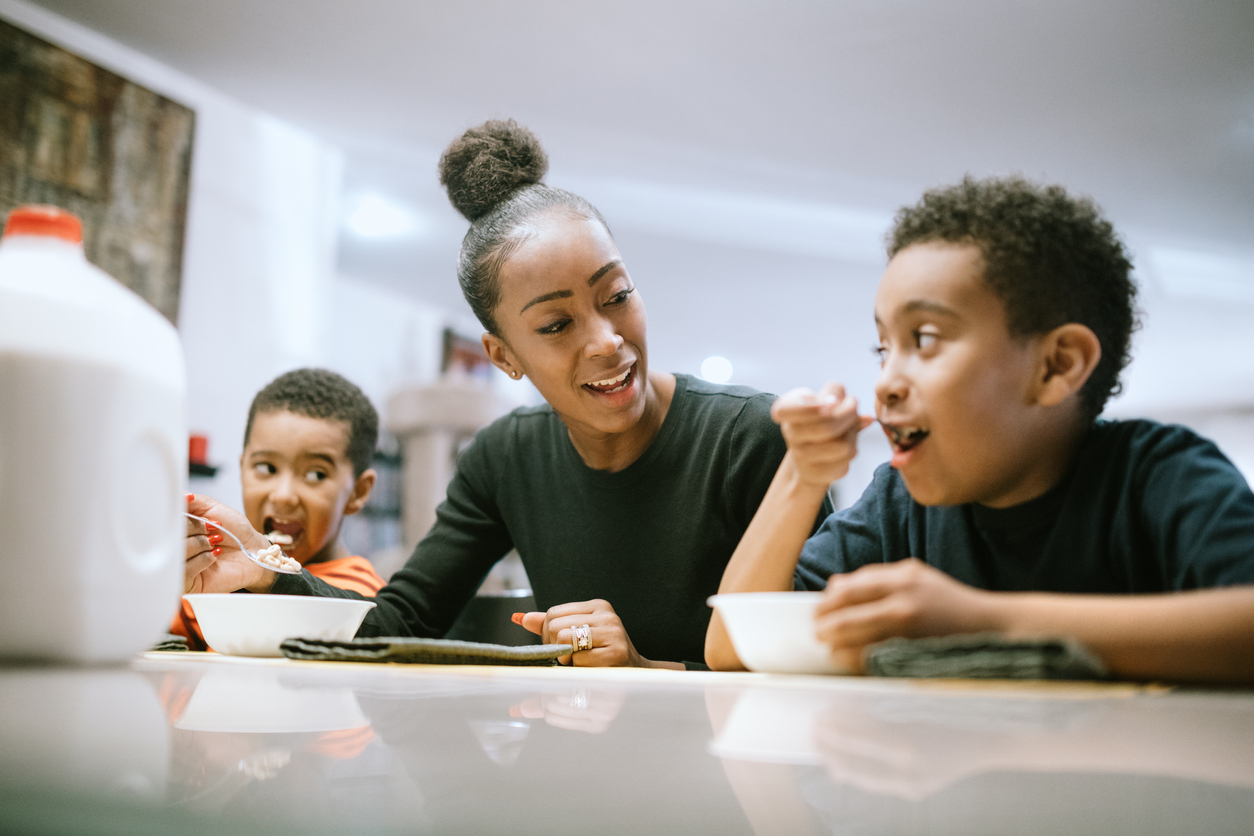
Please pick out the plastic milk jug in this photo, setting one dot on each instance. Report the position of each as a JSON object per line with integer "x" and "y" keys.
{"x": 93, "y": 452}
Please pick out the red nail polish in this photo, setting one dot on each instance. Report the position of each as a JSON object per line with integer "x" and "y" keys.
{"x": 517, "y": 617}
{"x": 217, "y": 552}
{"x": 214, "y": 539}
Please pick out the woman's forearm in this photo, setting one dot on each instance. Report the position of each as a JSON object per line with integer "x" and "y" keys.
{"x": 1199, "y": 636}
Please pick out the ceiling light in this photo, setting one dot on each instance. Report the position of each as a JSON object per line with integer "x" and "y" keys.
{"x": 716, "y": 369}
{"x": 374, "y": 216}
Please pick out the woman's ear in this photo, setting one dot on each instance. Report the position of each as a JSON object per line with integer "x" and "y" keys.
{"x": 362, "y": 487}
{"x": 1069, "y": 353}
{"x": 501, "y": 355}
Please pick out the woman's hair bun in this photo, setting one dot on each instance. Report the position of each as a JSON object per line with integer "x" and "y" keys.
{"x": 486, "y": 164}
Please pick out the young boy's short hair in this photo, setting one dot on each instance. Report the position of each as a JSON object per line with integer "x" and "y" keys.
{"x": 1052, "y": 259}
{"x": 319, "y": 393}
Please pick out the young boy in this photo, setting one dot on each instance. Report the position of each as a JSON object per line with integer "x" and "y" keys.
{"x": 306, "y": 465}
{"x": 1004, "y": 319}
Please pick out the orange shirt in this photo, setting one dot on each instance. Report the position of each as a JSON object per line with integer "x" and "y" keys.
{"x": 352, "y": 573}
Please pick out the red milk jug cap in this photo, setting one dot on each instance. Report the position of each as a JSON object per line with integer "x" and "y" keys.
{"x": 44, "y": 220}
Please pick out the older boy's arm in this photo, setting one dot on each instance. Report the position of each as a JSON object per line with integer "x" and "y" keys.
{"x": 821, "y": 431}
{"x": 766, "y": 557}
{"x": 1197, "y": 636}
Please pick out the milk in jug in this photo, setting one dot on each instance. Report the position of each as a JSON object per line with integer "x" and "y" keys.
{"x": 93, "y": 452}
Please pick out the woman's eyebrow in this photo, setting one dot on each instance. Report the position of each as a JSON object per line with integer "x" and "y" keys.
{"x": 564, "y": 294}
{"x": 545, "y": 297}
{"x": 607, "y": 268}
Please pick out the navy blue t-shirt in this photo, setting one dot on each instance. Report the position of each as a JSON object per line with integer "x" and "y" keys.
{"x": 1146, "y": 508}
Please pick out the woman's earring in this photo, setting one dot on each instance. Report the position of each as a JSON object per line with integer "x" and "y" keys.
{"x": 514, "y": 375}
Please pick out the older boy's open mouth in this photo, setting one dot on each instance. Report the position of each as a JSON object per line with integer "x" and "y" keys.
{"x": 904, "y": 438}
{"x": 613, "y": 385}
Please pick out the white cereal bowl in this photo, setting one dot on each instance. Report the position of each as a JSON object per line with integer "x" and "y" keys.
{"x": 773, "y": 632}
{"x": 255, "y": 625}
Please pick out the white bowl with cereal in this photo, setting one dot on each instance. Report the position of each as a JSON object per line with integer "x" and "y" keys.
{"x": 241, "y": 624}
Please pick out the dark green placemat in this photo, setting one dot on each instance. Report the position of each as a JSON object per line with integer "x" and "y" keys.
{"x": 170, "y": 642}
{"x": 422, "y": 652}
{"x": 983, "y": 656}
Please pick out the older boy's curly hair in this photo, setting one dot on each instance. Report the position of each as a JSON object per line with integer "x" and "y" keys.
{"x": 318, "y": 393}
{"x": 1052, "y": 259}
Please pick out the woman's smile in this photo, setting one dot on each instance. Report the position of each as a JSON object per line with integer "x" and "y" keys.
{"x": 617, "y": 390}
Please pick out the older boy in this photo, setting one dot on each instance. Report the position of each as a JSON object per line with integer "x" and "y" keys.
{"x": 1005, "y": 317}
{"x": 308, "y": 444}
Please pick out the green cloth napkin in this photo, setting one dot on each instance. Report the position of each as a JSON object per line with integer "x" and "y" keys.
{"x": 983, "y": 656}
{"x": 422, "y": 652}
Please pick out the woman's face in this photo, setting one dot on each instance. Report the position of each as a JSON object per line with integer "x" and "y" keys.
{"x": 570, "y": 320}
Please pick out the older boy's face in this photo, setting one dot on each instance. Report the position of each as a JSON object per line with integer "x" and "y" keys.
{"x": 954, "y": 394}
{"x": 297, "y": 479}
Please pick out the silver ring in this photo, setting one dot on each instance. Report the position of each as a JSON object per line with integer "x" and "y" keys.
{"x": 582, "y": 636}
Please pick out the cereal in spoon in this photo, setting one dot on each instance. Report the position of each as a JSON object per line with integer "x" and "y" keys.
{"x": 271, "y": 557}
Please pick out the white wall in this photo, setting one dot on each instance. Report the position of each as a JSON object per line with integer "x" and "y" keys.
{"x": 260, "y": 295}
{"x": 382, "y": 340}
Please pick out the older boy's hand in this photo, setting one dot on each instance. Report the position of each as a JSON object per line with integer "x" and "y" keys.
{"x": 821, "y": 430}
{"x": 214, "y": 562}
{"x": 906, "y": 598}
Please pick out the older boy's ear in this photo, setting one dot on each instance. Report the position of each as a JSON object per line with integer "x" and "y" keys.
{"x": 362, "y": 487}
{"x": 1069, "y": 353}
{"x": 502, "y": 357}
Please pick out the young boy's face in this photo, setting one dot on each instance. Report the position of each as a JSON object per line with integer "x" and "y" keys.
{"x": 955, "y": 393}
{"x": 298, "y": 480}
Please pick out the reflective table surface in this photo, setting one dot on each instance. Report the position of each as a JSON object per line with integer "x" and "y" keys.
{"x": 195, "y": 743}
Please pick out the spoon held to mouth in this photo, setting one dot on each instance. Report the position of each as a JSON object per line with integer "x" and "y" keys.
{"x": 271, "y": 558}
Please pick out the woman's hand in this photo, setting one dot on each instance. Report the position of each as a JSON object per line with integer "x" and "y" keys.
{"x": 199, "y": 553}
{"x": 214, "y": 562}
{"x": 610, "y": 643}
{"x": 907, "y": 598}
{"x": 821, "y": 430}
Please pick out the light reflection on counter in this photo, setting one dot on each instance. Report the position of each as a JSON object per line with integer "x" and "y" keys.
{"x": 946, "y": 760}
{"x": 379, "y": 748}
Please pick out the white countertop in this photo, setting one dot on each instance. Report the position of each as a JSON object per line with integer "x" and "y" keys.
{"x": 204, "y": 743}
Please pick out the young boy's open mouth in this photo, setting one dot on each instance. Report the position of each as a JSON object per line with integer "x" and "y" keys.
{"x": 904, "y": 438}
{"x": 288, "y": 532}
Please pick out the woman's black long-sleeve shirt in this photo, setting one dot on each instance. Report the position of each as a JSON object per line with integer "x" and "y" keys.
{"x": 652, "y": 539}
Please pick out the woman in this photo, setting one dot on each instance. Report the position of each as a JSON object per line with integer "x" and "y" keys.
{"x": 625, "y": 494}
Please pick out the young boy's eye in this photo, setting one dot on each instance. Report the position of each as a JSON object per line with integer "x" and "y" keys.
{"x": 315, "y": 476}
{"x": 264, "y": 469}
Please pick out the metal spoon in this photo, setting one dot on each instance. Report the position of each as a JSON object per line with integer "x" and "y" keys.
{"x": 251, "y": 556}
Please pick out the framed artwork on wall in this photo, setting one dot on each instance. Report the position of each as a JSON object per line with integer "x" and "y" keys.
{"x": 116, "y": 154}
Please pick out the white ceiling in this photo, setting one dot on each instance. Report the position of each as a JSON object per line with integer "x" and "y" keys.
{"x": 746, "y": 153}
